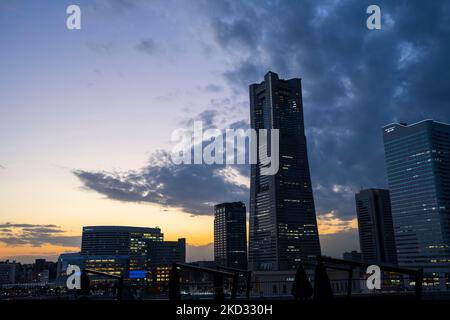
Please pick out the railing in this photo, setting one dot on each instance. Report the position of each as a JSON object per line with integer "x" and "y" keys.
{"x": 351, "y": 265}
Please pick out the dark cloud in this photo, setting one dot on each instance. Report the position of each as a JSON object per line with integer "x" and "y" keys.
{"x": 17, "y": 234}
{"x": 147, "y": 46}
{"x": 208, "y": 118}
{"x": 212, "y": 88}
{"x": 239, "y": 32}
{"x": 193, "y": 188}
{"x": 354, "y": 80}
{"x": 243, "y": 74}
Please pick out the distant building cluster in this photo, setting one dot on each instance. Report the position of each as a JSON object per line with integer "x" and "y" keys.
{"x": 41, "y": 271}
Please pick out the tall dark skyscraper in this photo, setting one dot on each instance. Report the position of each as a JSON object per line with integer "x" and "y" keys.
{"x": 230, "y": 235}
{"x": 418, "y": 169}
{"x": 283, "y": 226}
{"x": 376, "y": 232}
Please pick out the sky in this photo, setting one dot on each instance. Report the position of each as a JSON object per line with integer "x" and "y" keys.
{"x": 86, "y": 116}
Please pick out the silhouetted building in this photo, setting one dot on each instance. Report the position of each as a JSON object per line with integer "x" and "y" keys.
{"x": 39, "y": 265}
{"x": 167, "y": 252}
{"x": 283, "y": 226}
{"x": 230, "y": 235}
{"x": 26, "y": 273}
{"x": 418, "y": 170}
{"x": 352, "y": 256}
{"x": 376, "y": 232}
{"x": 8, "y": 272}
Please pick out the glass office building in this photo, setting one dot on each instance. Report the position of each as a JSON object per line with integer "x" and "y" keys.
{"x": 418, "y": 169}
{"x": 283, "y": 226}
{"x": 376, "y": 231}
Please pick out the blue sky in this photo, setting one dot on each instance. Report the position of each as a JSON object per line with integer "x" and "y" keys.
{"x": 82, "y": 112}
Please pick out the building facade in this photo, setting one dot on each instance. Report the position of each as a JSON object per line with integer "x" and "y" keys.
{"x": 8, "y": 272}
{"x": 376, "y": 231}
{"x": 418, "y": 170}
{"x": 161, "y": 256}
{"x": 230, "y": 235}
{"x": 283, "y": 226}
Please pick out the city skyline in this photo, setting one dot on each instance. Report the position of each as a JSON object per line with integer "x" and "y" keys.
{"x": 82, "y": 112}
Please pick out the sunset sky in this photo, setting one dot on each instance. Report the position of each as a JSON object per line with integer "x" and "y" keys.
{"x": 86, "y": 115}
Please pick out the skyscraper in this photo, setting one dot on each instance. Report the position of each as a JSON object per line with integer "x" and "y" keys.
{"x": 230, "y": 235}
{"x": 283, "y": 226}
{"x": 418, "y": 169}
{"x": 376, "y": 232}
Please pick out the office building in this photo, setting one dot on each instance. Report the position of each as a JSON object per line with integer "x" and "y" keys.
{"x": 376, "y": 232}
{"x": 283, "y": 226}
{"x": 66, "y": 259}
{"x": 134, "y": 252}
{"x": 230, "y": 235}
{"x": 161, "y": 256}
{"x": 117, "y": 240}
{"x": 117, "y": 249}
{"x": 418, "y": 170}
